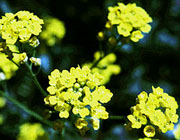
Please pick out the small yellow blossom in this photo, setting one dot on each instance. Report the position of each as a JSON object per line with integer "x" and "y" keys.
{"x": 79, "y": 91}
{"x": 80, "y": 123}
{"x": 95, "y": 123}
{"x": 136, "y": 35}
{"x": 157, "y": 107}
{"x": 21, "y": 25}
{"x": 130, "y": 20}
{"x": 32, "y": 132}
{"x": 54, "y": 31}
{"x": 100, "y": 36}
{"x": 23, "y": 58}
{"x": 34, "y": 42}
{"x": 149, "y": 131}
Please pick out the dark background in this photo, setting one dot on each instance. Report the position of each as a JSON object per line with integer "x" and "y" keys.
{"x": 154, "y": 61}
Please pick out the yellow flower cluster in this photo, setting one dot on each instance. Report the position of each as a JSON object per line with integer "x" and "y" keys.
{"x": 21, "y": 25}
{"x": 6, "y": 66}
{"x": 32, "y": 132}
{"x": 159, "y": 108}
{"x": 2, "y": 104}
{"x": 130, "y": 19}
{"x": 54, "y": 30}
{"x": 105, "y": 67}
{"x": 78, "y": 90}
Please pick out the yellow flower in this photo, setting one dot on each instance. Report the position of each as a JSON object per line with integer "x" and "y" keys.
{"x": 136, "y": 36}
{"x": 95, "y": 123}
{"x": 80, "y": 123}
{"x": 79, "y": 91}
{"x": 124, "y": 29}
{"x": 23, "y": 58}
{"x": 130, "y": 20}
{"x": 158, "y": 107}
{"x": 100, "y": 36}
{"x": 149, "y": 131}
{"x": 34, "y": 42}
{"x": 32, "y": 132}
{"x": 54, "y": 31}
{"x": 21, "y": 25}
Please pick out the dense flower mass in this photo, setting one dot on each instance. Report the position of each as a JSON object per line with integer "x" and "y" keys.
{"x": 105, "y": 67}
{"x": 78, "y": 90}
{"x": 21, "y": 25}
{"x": 32, "y": 132}
{"x": 54, "y": 30}
{"x": 7, "y": 66}
{"x": 159, "y": 108}
{"x": 130, "y": 20}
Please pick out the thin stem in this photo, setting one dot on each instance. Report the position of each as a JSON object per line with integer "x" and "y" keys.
{"x": 116, "y": 117}
{"x": 15, "y": 63}
{"x": 23, "y": 107}
{"x": 35, "y": 80}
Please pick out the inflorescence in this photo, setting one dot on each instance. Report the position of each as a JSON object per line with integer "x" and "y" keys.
{"x": 158, "y": 110}
{"x": 78, "y": 91}
{"x": 21, "y": 25}
{"x": 131, "y": 20}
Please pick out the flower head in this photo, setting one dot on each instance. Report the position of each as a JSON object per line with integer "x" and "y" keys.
{"x": 21, "y": 25}
{"x": 157, "y": 107}
{"x": 32, "y": 132}
{"x": 79, "y": 91}
{"x": 131, "y": 20}
{"x": 54, "y": 30}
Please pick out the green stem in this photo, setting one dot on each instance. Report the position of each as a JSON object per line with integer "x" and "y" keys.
{"x": 116, "y": 117}
{"x": 35, "y": 80}
{"x": 32, "y": 113}
{"x": 63, "y": 134}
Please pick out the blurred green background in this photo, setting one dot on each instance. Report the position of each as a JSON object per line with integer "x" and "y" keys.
{"x": 154, "y": 61}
